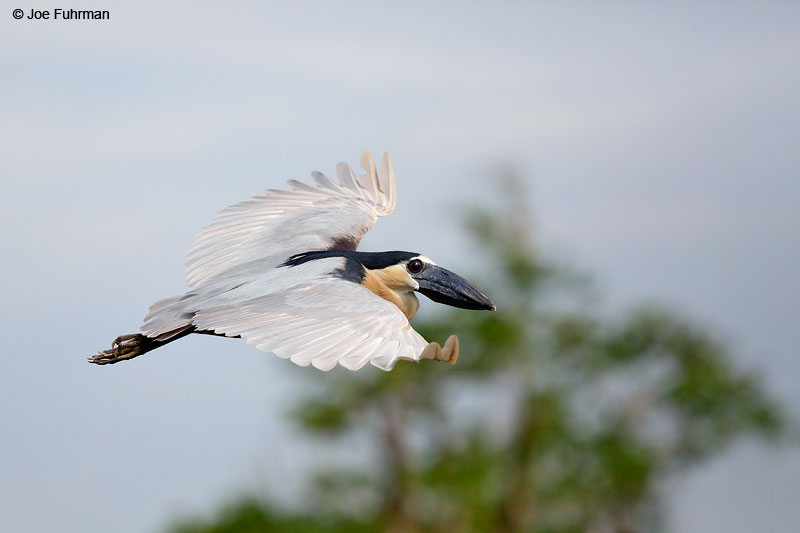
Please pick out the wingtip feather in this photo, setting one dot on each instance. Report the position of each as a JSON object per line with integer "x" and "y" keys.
{"x": 387, "y": 181}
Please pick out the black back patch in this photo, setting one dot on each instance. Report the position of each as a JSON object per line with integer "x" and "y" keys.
{"x": 344, "y": 243}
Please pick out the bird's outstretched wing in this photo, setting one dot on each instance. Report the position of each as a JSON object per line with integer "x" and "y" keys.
{"x": 284, "y": 223}
{"x": 312, "y": 318}
{"x": 240, "y": 284}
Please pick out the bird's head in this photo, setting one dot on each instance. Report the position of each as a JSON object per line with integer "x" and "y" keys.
{"x": 395, "y": 276}
{"x": 444, "y": 286}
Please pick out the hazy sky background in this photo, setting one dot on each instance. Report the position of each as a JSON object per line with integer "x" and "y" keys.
{"x": 661, "y": 146}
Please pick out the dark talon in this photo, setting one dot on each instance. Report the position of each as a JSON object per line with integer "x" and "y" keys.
{"x": 122, "y": 338}
{"x": 122, "y": 348}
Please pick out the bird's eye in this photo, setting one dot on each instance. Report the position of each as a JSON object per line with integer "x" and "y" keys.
{"x": 415, "y": 266}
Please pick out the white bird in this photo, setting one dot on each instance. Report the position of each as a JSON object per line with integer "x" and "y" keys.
{"x": 282, "y": 272}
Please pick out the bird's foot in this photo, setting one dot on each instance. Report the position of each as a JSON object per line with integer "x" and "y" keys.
{"x": 122, "y": 348}
{"x": 448, "y": 353}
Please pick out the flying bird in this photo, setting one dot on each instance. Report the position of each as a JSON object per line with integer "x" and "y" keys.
{"x": 283, "y": 272}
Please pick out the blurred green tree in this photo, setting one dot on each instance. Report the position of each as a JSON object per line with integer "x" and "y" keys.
{"x": 553, "y": 420}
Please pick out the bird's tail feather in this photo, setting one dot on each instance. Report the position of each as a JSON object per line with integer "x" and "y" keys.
{"x": 167, "y": 318}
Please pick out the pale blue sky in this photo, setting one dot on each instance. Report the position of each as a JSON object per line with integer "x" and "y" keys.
{"x": 660, "y": 145}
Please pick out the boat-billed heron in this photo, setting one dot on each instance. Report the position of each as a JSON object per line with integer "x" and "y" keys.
{"x": 282, "y": 272}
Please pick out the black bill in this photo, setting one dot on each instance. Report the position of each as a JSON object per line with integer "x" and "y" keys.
{"x": 445, "y": 287}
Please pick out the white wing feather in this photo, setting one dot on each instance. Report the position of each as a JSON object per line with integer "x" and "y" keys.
{"x": 310, "y": 318}
{"x": 289, "y": 222}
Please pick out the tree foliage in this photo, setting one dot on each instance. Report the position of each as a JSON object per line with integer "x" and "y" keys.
{"x": 554, "y": 419}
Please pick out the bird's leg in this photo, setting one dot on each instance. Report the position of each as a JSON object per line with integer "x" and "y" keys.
{"x": 448, "y": 354}
{"x": 122, "y": 348}
{"x": 127, "y": 347}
